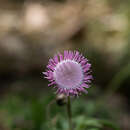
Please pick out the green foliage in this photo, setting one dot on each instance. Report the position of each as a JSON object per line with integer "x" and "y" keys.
{"x": 42, "y": 113}
{"x": 83, "y": 123}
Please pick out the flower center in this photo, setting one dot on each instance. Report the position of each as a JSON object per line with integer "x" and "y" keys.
{"x": 68, "y": 74}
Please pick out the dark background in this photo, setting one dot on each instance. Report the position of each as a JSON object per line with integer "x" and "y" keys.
{"x": 32, "y": 31}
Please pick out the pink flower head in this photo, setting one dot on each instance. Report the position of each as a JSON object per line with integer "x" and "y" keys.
{"x": 70, "y": 73}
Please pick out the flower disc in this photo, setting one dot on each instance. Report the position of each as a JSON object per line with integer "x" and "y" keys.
{"x": 68, "y": 74}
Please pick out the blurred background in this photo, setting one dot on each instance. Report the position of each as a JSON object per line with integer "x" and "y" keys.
{"x": 32, "y": 31}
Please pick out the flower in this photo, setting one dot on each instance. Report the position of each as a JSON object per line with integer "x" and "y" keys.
{"x": 70, "y": 73}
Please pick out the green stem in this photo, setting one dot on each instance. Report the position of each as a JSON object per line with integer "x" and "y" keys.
{"x": 69, "y": 113}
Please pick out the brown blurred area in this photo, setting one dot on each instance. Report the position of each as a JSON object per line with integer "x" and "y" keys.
{"x": 32, "y": 31}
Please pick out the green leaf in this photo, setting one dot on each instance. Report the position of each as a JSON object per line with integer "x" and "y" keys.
{"x": 82, "y": 123}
